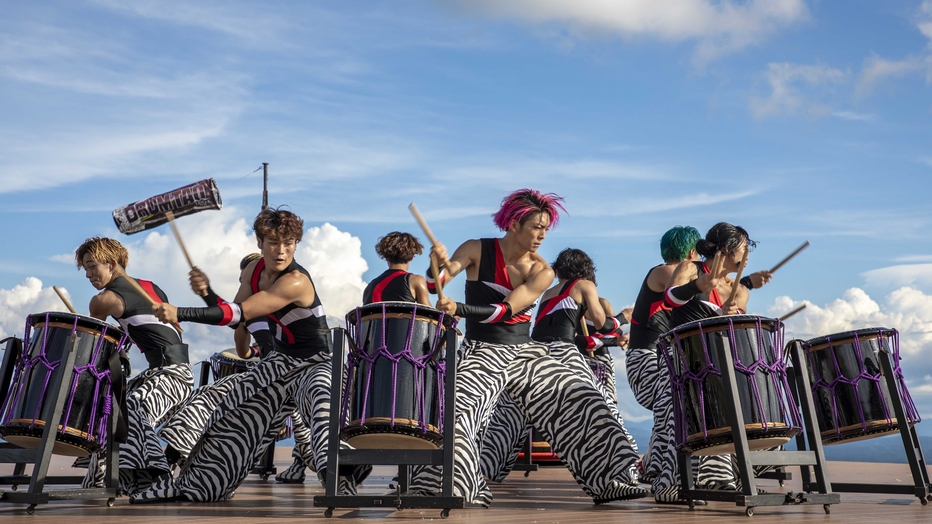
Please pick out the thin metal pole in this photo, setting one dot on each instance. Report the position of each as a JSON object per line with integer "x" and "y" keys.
{"x": 265, "y": 185}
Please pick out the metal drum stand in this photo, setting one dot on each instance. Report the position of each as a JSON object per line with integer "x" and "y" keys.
{"x": 41, "y": 457}
{"x": 401, "y": 457}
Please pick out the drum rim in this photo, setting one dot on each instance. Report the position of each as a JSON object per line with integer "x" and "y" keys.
{"x": 717, "y": 432}
{"x": 846, "y": 336}
{"x": 222, "y": 354}
{"x": 448, "y": 320}
{"x": 692, "y": 328}
{"x": 23, "y": 422}
{"x": 38, "y": 319}
{"x": 386, "y": 421}
{"x": 82, "y": 329}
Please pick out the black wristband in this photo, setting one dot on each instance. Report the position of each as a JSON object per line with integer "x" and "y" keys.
{"x": 685, "y": 292}
{"x": 486, "y": 314}
{"x": 211, "y": 298}
{"x": 610, "y": 325}
{"x": 746, "y": 282}
{"x": 226, "y": 314}
{"x": 622, "y": 319}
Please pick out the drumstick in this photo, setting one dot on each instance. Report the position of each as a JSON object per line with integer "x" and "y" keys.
{"x": 437, "y": 283}
{"x": 791, "y": 313}
{"x": 171, "y": 221}
{"x": 737, "y": 282}
{"x": 791, "y": 255}
{"x": 142, "y": 292}
{"x": 65, "y": 300}
{"x": 585, "y": 331}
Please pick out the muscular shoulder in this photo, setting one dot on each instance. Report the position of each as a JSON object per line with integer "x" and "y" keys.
{"x": 106, "y": 303}
{"x": 295, "y": 286}
{"x": 659, "y": 276}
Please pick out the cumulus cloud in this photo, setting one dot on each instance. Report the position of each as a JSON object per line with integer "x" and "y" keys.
{"x": 900, "y": 275}
{"x": 26, "y": 298}
{"x": 792, "y": 90}
{"x": 716, "y": 26}
{"x": 907, "y": 309}
{"x": 217, "y": 241}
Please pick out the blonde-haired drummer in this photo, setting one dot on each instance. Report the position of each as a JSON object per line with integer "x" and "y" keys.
{"x": 156, "y": 392}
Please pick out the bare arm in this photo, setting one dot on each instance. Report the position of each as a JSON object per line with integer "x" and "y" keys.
{"x": 465, "y": 256}
{"x": 590, "y": 297}
{"x": 418, "y": 287}
{"x": 106, "y": 303}
{"x": 242, "y": 338}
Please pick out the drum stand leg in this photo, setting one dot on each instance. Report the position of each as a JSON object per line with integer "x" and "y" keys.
{"x": 204, "y": 373}
{"x": 40, "y": 458}
{"x": 401, "y": 457}
{"x": 921, "y": 486}
{"x": 748, "y": 496}
{"x": 527, "y": 465}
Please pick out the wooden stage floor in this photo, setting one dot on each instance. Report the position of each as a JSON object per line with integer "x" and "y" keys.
{"x": 547, "y": 496}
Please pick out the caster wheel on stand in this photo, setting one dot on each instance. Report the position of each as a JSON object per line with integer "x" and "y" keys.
{"x": 110, "y": 502}
{"x": 527, "y": 474}
{"x": 328, "y": 512}
{"x": 749, "y": 512}
{"x": 445, "y": 513}
{"x": 827, "y": 508}
{"x": 31, "y": 509}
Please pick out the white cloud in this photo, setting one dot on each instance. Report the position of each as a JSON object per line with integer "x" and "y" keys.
{"x": 24, "y": 299}
{"x": 716, "y": 26}
{"x": 900, "y": 275}
{"x": 790, "y": 89}
{"x": 334, "y": 260}
{"x": 877, "y": 69}
{"x": 851, "y": 115}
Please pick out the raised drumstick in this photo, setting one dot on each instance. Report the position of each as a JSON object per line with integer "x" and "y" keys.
{"x": 737, "y": 282}
{"x": 65, "y": 300}
{"x": 142, "y": 292}
{"x": 433, "y": 242}
{"x": 791, "y": 313}
{"x": 171, "y": 221}
{"x": 791, "y": 255}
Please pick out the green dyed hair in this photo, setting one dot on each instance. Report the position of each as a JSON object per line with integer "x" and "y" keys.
{"x": 676, "y": 243}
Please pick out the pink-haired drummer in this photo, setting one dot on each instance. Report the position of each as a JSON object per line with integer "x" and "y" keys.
{"x": 504, "y": 278}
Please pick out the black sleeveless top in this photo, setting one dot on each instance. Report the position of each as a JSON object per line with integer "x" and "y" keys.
{"x": 391, "y": 286}
{"x": 492, "y": 287}
{"x": 160, "y": 343}
{"x": 650, "y": 318}
{"x": 300, "y": 332}
{"x": 558, "y": 318}
{"x": 703, "y": 305}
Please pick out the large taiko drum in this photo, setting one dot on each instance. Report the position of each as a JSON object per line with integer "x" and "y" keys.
{"x": 393, "y": 397}
{"x": 851, "y": 395}
{"x": 88, "y": 403}
{"x": 228, "y": 362}
{"x": 771, "y": 417}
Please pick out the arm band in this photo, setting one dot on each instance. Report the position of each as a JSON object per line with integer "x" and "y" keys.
{"x": 591, "y": 343}
{"x": 746, "y": 282}
{"x": 212, "y": 299}
{"x": 610, "y": 325}
{"x": 227, "y": 314}
{"x": 679, "y": 295}
{"x": 431, "y": 283}
{"x": 489, "y": 314}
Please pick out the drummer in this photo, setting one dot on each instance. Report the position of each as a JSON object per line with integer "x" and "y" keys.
{"x": 561, "y": 310}
{"x": 246, "y": 421}
{"x": 697, "y": 291}
{"x": 395, "y": 284}
{"x": 504, "y": 278}
{"x": 151, "y": 395}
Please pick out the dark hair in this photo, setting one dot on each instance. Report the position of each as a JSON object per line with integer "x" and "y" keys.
{"x": 677, "y": 242}
{"x": 723, "y": 237}
{"x": 574, "y": 263}
{"x": 398, "y": 248}
{"x": 102, "y": 249}
{"x": 247, "y": 259}
{"x": 524, "y": 204}
{"x": 279, "y": 223}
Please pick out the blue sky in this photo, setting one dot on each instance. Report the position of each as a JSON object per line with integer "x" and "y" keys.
{"x": 797, "y": 120}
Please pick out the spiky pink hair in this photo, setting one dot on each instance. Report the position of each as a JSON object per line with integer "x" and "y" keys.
{"x": 523, "y": 203}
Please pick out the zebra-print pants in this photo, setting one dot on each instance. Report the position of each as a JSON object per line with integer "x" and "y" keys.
{"x": 183, "y": 430}
{"x": 152, "y": 397}
{"x": 508, "y": 426}
{"x": 569, "y": 412}
{"x": 650, "y": 382}
{"x": 246, "y": 422}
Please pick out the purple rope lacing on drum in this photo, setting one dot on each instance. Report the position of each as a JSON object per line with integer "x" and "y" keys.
{"x": 420, "y": 366}
{"x": 48, "y": 376}
{"x": 599, "y": 369}
{"x": 911, "y": 411}
{"x": 23, "y": 365}
{"x": 777, "y": 371}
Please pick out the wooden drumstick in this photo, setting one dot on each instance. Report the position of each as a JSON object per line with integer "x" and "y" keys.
{"x": 142, "y": 292}
{"x": 171, "y": 221}
{"x": 737, "y": 282}
{"x": 791, "y": 313}
{"x": 65, "y": 300}
{"x": 585, "y": 331}
{"x": 791, "y": 255}
{"x": 437, "y": 283}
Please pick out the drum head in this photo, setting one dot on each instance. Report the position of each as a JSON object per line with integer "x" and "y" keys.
{"x": 847, "y": 336}
{"x": 89, "y": 323}
{"x": 231, "y": 354}
{"x": 389, "y": 441}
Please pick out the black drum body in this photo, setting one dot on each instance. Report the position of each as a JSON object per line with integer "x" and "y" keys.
{"x": 771, "y": 416}
{"x": 228, "y": 362}
{"x": 395, "y": 375}
{"x": 88, "y": 403}
{"x": 852, "y": 399}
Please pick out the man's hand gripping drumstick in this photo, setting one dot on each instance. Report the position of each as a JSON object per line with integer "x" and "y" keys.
{"x": 197, "y": 277}
{"x": 438, "y": 261}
